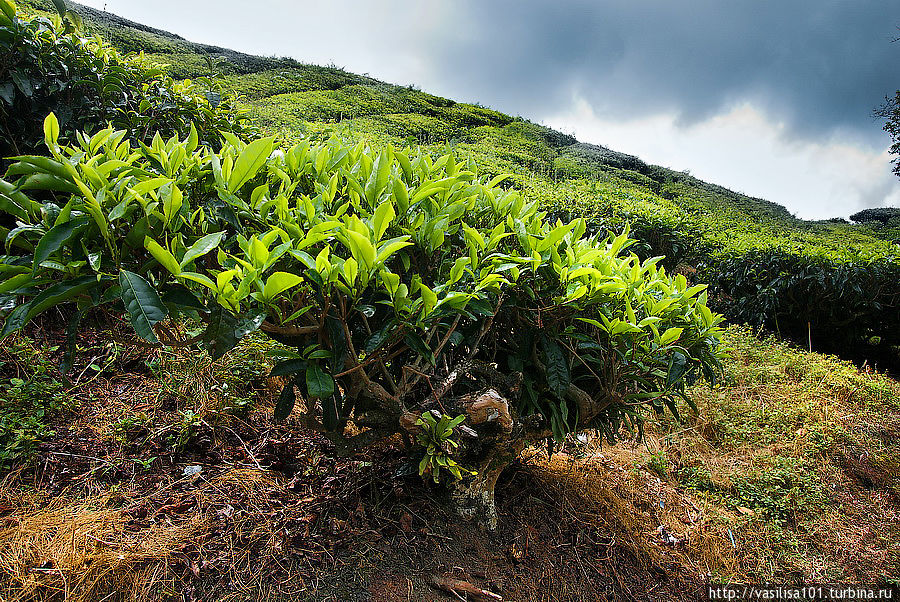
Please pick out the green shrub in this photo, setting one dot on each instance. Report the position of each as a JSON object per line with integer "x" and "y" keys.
{"x": 46, "y": 66}
{"x": 385, "y": 272}
{"x": 879, "y": 214}
{"x": 837, "y": 303}
{"x": 831, "y": 281}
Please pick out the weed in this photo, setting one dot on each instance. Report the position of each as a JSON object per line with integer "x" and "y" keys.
{"x": 27, "y": 404}
{"x": 186, "y": 429}
{"x": 144, "y": 463}
{"x": 780, "y": 492}
{"x": 659, "y": 464}
{"x": 436, "y": 439}
{"x": 128, "y": 427}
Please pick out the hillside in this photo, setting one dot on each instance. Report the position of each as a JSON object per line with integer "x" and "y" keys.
{"x": 157, "y": 472}
{"x": 830, "y": 282}
{"x": 287, "y": 96}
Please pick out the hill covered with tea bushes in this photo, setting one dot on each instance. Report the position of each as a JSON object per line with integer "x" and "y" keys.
{"x": 162, "y": 473}
{"x": 834, "y": 283}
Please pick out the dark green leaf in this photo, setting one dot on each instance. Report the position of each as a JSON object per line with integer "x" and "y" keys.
{"x": 480, "y": 307}
{"x": 291, "y": 366}
{"x": 69, "y": 354}
{"x": 179, "y": 296}
{"x": 670, "y": 403}
{"x": 338, "y": 342}
{"x": 225, "y": 330}
{"x": 331, "y": 411}
{"x": 557, "y": 365}
{"x": 319, "y": 384}
{"x": 8, "y": 92}
{"x": 678, "y": 364}
{"x": 15, "y": 320}
{"x": 286, "y": 401}
{"x": 60, "y": 293}
{"x": 378, "y": 338}
{"x": 56, "y": 237}
{"x": 417, "y": 344}
{"x": 60, "y": 7}
{"x": 143, "y": 304}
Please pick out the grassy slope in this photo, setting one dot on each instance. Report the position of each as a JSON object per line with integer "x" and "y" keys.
{"x": 790, "y": 470}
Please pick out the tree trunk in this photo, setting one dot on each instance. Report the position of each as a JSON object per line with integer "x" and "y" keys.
{"x": 473, "y": 497}
{"x": 497, "y": 444}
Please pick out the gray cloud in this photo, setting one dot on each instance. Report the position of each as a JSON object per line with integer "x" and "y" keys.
{"x": 812, "y": 69}
{"x": 818, "y": 67}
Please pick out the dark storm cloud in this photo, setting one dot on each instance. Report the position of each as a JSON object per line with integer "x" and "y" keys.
{"x": 817, "y": 66}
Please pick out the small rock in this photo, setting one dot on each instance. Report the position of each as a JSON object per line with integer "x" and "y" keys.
{"x": 670, "y": 539}
{"x": 190, "y": 471}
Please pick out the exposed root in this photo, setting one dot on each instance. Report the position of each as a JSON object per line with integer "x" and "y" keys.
{"x": 463, "y": 588}
{"x": 496, "y": 447}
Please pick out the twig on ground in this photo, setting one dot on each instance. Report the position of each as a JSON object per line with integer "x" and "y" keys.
{"x": 250, "y": 454}
{"x": 457, "y": 587}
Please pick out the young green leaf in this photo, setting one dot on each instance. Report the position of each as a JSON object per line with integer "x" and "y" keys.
{"x": 250, "y": 161}
{"x": 202, "y": 247}
{"x": 670, "y": 336}
{"x": 279, "y": 282}
{"x": 162, "y": 255}
{"x": 362, "y": 249}
{"x": 51, "y": 132}
{"x": 384, "y": 215}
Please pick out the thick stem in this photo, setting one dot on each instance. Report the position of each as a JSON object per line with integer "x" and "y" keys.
{"x": 498, "y": 443}
{"x": 473, "y": 498}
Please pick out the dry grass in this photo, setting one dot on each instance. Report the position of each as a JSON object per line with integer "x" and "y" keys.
{"x": 75, "y": 551}
{"x": 605, "y": 493}
{"x": 793, "y": 466}
{"x": 81, "y": 550}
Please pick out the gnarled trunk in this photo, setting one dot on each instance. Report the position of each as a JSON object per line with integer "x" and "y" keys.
{"x": 473, "y": 497}
{"x": 492, "y": 443}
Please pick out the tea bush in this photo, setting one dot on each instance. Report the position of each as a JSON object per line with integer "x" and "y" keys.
{"x": 401, "y": 283}
{"x": 48, "y": 65}
{"x": 830, "y": 282}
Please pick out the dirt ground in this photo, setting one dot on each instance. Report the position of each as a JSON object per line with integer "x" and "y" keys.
{"x": 254, "y": 511}
{"x": 150, "y": 489}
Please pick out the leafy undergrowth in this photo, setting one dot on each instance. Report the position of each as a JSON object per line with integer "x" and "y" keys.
{"x": 161, "y": 476}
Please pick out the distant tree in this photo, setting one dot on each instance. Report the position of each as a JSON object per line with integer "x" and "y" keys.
{"x": 878, "y": 214}
{"x": 890, "y": 112}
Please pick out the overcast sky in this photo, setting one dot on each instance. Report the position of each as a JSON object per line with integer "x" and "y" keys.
{"x": 770, "y": 98}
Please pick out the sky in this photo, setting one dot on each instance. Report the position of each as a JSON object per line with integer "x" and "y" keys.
{"x": 772, "y": 98}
